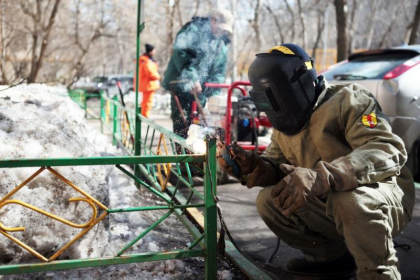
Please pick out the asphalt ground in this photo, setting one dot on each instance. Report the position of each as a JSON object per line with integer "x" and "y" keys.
{"x": 258, "y": 242}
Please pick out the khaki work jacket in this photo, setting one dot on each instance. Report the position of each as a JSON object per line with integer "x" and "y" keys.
{"x": 348, "y": 122}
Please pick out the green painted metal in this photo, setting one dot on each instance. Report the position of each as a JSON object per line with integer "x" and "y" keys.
{"x": 136, "y": 179}
{"x": 137, "y": 145}
{"x": 247, "y": 267}
{"x": 137, "y": 239}
{"x": 192, "y": 228}
{"x": 189, "y": 185}
{"x": 14, "y": 163}
{"x": 81, "y": 263}
{"x": 114, "y": 120}
{"x": 102, "y": 114}
{"x": 80, "y": 96}
{"x": 148, "y": 208}
{"x": 196, "y": 242}
{"x": 210, "y": 212}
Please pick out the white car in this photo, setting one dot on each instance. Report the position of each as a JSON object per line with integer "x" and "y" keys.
{"x": 393, "y": 77}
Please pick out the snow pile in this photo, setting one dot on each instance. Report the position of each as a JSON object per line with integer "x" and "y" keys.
{"x": 37, "y": 121}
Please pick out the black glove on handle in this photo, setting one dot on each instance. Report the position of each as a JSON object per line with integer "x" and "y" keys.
{"x": 254, "y": 170}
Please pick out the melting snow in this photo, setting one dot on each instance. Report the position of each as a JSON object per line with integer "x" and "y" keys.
{"x": 37, "y": 121}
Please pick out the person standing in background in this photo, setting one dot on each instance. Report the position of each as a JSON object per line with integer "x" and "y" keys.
{"x": 199, "y": 56}
{"x": 148, "y": 79}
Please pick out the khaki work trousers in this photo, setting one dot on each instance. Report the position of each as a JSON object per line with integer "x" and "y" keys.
{"x": 362, "y": 220}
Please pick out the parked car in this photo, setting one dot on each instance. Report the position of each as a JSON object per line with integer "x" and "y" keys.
{"x": 393, "y": 77}
{"x": 107, "y": 84}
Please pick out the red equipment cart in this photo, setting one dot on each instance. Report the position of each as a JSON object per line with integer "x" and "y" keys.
{"x": 259, "y": 120}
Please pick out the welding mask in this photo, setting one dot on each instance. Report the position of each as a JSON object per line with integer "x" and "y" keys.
{"x": 283, "y": 87}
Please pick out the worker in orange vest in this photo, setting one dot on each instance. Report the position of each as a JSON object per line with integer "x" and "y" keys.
{"x": 148, "y": 79}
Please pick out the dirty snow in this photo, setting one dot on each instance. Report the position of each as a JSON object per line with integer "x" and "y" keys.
{"x": 37, "y": 121}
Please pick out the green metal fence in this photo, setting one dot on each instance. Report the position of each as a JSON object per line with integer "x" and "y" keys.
{"x": 158, "y": 161}
{"x": 80, "y": 96}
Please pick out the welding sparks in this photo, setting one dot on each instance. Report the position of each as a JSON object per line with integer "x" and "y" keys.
{"x": 197, "y": 136}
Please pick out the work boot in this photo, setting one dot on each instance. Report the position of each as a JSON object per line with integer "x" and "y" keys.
{"x": 344, "y": 265}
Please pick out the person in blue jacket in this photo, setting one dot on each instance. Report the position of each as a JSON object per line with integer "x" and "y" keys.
{"x": 199, "y": 56}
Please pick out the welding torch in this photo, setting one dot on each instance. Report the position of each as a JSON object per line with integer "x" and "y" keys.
{"x": 225, "y": 151}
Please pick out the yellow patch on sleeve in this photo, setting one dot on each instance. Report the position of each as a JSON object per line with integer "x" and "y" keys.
{"x": 370, "y": 120}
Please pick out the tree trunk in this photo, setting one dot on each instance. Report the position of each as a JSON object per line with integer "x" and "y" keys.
{"x": 233, "y": 53}
{"x": 320, "y": 29}
{"x": 416, "y": 22}
{"x": 388, "y": 31}
{"x": 36, "y": 66}
{"x": 372, "y": 24}
{"x": 170, "y": 15}
{"x": 4, "y": 79}
{"x": 255, "y": 25}
{"x": 177, "y": 3}
{"x": 341, "y": 18}
{"x": 278, "y": 25}
{"x": 352, "y": 26}
{"x": 303, "y": 23}
{"x": 292, "y": 22}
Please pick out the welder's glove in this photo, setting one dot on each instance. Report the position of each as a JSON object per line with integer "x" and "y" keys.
{"x": 253, "y": 170}
{"x": 299, "y": 183}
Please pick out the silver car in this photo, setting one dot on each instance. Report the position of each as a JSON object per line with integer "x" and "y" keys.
{"x": 393, "y": 77}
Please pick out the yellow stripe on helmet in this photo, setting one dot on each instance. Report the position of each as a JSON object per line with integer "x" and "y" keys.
{"x": 282, "y": 49}
{"x": 308, "y": 65}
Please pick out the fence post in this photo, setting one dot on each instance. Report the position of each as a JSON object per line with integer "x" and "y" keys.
{"x": 85, "y": 102}
{"x": 114, "y": 119}
{"x": 210, "y": 212}
{"x": 137, "y": 144}
{"x": 102, "y": 112}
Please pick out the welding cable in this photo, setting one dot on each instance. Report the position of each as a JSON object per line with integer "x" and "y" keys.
{"x": 221, "y": 246}
{"x": 276, "y": 249}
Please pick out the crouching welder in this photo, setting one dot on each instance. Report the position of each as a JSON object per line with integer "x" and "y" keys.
{"x": 335, "y": 184}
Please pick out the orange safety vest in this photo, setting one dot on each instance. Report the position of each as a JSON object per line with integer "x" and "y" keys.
{"x": 148, "y": 73}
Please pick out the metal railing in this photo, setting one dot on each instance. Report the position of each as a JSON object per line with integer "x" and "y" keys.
{"x": 163, "y": 155}
{"x": 80, "y": 96}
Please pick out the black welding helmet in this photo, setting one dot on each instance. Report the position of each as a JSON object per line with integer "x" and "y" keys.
{"x": 283, "y": 87}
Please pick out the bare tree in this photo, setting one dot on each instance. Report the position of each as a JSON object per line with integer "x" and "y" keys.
{"x": 303, "y": 24}
{"x": 353, "y": 22}
{"x": 341, "y": 18}
{"x": 292, "y": 21}
{"x": 277, "y": 23}
{"x": 84, "y": 44}
{"x": 255, "y": 24}
{"x": 93, "y": 37}
{"x": 170, "y": 17}
{"x": 372, "y": 22}
{"x": 4, "y": 79}
{"x": 416, "y": 23}
{"x": 42, "y": 22}
{"x": 320, "y": 30}
{"x": 391, "y": 25}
